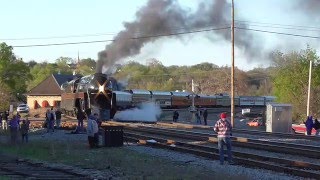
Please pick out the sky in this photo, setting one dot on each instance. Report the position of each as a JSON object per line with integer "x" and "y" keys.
{"x": 42, "y": 21}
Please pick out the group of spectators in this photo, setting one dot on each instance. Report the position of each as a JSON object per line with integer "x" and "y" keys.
{"x": 199, "y": 114}
{"x": 14, "y": 126}
{"x": 52, "y": 118}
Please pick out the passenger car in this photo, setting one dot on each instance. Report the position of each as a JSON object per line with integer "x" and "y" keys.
{"x": 23, "y": 108}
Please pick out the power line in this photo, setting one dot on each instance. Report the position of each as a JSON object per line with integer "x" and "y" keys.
{"x": 280, "y": 33}
{"x": 239, "y": 22}
{"x": 94, "y": 34}
{"x": 132, "y": 38}
{"x": 57, "y": 37}
{"x": 280, "y": 27}
{"x": 168, "y": 35}
{"x": 276, "y": 24}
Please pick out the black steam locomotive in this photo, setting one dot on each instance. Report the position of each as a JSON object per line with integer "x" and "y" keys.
{"x": 93, "y": 91}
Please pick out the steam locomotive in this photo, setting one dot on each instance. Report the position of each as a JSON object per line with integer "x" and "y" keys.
{"x": 93, "y": 91}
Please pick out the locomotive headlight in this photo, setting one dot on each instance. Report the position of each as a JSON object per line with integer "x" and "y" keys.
{"x": 101, "y": 88}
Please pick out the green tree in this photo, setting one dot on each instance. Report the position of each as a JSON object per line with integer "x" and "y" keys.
{"x": 290, "y": 80}
{"x": 40, "y": 72}
{"x": 65, "y": 65}
{"x": 14, "y": 73}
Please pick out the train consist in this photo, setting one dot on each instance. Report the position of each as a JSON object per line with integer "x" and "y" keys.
{"x": 175, "y": 100}
{"x": 104, "y": 96}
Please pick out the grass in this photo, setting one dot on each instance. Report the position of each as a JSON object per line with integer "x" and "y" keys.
{"x": 127, "y": 162}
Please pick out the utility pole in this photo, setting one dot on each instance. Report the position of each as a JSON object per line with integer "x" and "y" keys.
{"x": 232, "y": 63}
{"x": 192, "y": 108}
{"x": 309, "y": 90}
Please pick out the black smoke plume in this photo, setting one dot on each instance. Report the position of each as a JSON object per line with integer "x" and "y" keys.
{"x": 159, "y": 17}
{"x": 309, "y": 7}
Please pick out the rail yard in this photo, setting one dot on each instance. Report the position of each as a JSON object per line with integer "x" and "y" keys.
{"x": 294, "y": 155}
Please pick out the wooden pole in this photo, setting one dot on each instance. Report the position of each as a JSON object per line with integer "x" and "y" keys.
{"x": 309, "y": 90}
{"x": 232, "y": 64}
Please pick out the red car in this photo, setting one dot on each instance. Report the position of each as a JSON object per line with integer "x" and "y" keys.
{"x": 301, "y": 128}
{"x": 255, "y": 122}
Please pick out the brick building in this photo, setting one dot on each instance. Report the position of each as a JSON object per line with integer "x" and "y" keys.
{"x": 48, "y": 92}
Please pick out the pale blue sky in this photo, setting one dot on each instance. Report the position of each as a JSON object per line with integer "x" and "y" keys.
{"x": 48, "y": 18}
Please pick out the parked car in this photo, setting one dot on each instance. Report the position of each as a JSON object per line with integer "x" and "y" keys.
{"x": 255, "y": 122}
{"x": 301, "y": 129}
{"x": 23, "y": 108}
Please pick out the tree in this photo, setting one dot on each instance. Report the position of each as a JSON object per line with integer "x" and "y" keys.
{"x": 40, "y": 72}
{"x": 14, "y": 73}
{"x": 290, "y": 80}
{"x": 63, "y": 65}
{"x": 32, "y": 63}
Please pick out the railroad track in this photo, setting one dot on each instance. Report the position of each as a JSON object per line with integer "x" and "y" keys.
{"x": 13, "y": 168}
{"x": 244, "y": 131}
{"x": 271, "y": 146}
{"x": 206, "y": 149}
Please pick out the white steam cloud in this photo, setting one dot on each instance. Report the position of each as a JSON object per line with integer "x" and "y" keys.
{"x": 147, "y": 112}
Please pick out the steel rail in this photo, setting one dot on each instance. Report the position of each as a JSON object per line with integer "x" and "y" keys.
{"x": 293, "y": 149}
{"x": 256, "y": 161}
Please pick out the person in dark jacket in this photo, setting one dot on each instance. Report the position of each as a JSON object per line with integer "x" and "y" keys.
{"x": 25, "y": 130}
{"x": 175, "y": 116}
{"x": 58, "y": 118}
{"x": 50, "y": 120}
{"x": 205, "y": 116}
{"x": 80, "y": 118}
{"x": 309, "y": 125}
{"x": 316, "y": 126}
{"x": 14, "y": 126}
{"x": 5, "y": 120}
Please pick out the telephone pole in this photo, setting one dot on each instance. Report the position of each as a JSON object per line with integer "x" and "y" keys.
{"x": 232, "y": 63}
{"x": 309, "y": 90}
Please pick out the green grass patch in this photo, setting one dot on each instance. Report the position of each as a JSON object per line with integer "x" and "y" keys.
{"x": 127, "y": 162}
{"x": 4, "y": 178}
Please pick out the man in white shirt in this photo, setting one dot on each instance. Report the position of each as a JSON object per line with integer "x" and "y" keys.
{"x": 92, "y": 128}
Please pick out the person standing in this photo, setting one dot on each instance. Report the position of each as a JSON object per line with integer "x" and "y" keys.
{"x": 96, "y": 135}
{"x": 309, "y": 125}
{"x": 175, "y": 116}
{"x": 92, "y": 128}
{"x": 80, "y": 118}
{"x": 198, "y": 117}
{"x": 5, "y": 120}
{"x": 14, "y": 126}
{"x": 50, "y": 120}
{"x": 25, "y": 130}
{"x": 205, "y": 116}
{"x": 58, "y": 118}
{"x": 224, "y": 129}
{"x": 317, "y": 127}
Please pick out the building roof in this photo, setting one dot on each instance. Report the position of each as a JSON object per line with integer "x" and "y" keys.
{"x": 51, "y": 85}
{"x": 62, "y": 78}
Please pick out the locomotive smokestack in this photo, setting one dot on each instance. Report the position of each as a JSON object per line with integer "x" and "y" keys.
{"x": 102, "y": 58}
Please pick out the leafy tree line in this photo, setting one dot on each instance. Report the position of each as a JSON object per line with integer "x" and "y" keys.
{"x": 286, "y": 78}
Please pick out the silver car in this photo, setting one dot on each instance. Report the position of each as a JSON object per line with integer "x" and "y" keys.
{"x": 23, "y": 108}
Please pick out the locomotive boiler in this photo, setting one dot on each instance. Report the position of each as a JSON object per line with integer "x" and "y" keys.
{"x": 93, "y": 91}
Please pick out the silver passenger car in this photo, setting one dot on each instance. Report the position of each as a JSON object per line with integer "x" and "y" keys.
{"x": 123, "y": 99}
{"x": 162, "y": 98}
{"x": 140, "y": 96}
